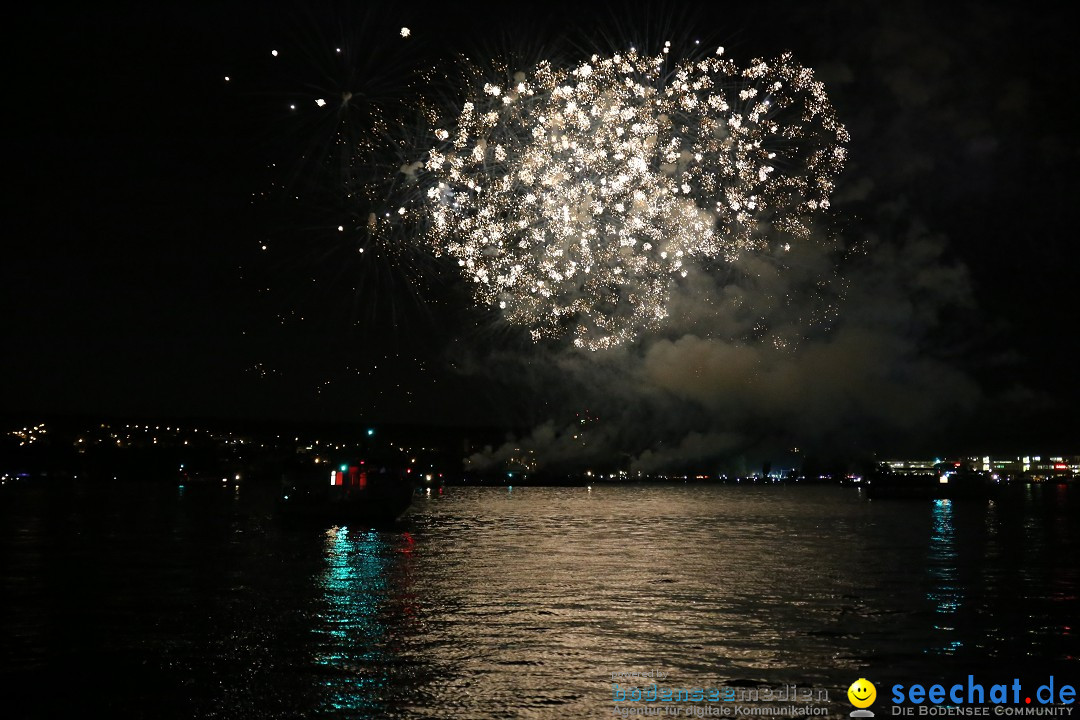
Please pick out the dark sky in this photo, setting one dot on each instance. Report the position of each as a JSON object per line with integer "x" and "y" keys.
{"x": 141, "y": 193}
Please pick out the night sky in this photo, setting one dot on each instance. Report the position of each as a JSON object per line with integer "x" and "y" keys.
{"x": 144, "y": 187}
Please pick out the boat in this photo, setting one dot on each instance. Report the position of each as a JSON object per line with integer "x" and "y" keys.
{"x": 349, "y": 493}
{"x": 945, "y": 480}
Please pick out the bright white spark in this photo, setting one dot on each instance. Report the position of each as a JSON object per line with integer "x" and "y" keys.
{"x": 405, "y": 32}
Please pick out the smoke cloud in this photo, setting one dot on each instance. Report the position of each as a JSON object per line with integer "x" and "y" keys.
{"x": 818, "y": 346}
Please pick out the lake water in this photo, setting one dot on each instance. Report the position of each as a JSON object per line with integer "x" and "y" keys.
{"x": 151, "y": 601}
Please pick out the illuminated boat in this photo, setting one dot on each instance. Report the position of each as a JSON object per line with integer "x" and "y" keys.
{"x": 350, "y": 493}
{"x": 946, "y": 480}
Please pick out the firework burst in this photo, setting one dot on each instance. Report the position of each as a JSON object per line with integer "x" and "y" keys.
{"x": 574, "y": 197}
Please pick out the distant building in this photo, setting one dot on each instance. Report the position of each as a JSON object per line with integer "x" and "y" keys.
{"x": 1031, "y": 468}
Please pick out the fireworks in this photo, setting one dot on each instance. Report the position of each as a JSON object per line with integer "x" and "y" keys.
{"x": 573, "y": 198}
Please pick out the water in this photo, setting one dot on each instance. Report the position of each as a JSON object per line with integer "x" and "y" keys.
{"x": 485, "y": 603}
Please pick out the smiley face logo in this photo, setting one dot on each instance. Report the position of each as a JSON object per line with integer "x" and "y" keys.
{"x": 862, "y": 693}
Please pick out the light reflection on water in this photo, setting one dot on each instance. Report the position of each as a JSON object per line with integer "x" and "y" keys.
{"x": 488, "y": 603}
{"x": 945, "y": 592}
{"x": 353, "y": 629}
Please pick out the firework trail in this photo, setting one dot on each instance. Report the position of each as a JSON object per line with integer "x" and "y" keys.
{"x": 327, "y": 89}
{"x": 574, "y": 197}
